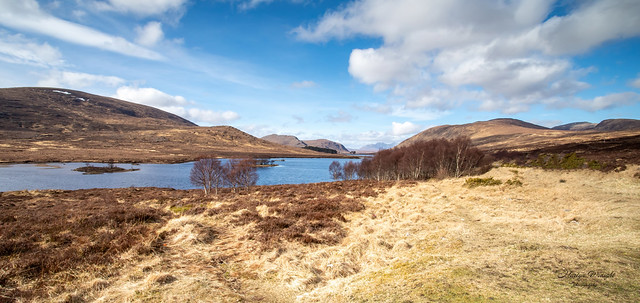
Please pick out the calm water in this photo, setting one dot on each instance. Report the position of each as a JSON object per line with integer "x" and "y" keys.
{"x": 62, "y": 176}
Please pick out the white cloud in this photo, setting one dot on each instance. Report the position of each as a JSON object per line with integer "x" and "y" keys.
{"x": 340, "y": 117}
{"x": 75, "y": 80}
{"x": 150, "y": 34}
{"x": 26, "y": 15}
{"x": 374, "y": 107}
{"x": 421, "y": 114}
{"x": 18, "y": 49}
{"x": 304, "y": 84}
{"x": 406, "y": 128}
{"x": 590, "y": 25}
{"x": 504, "y": 55}
{"x": 149, "y": 96}
{"x": 253, "y": 3}
{"x": 635, "y": 83}
{"x": 142, "y": 7}
{"x": 383, "y": 67}
{"x": 608, "y": 101}
{"x": 174, "y": 104}
{"x": 212, "y": 117}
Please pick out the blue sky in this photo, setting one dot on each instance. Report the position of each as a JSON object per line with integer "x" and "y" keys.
{"x": 356, "y": 72}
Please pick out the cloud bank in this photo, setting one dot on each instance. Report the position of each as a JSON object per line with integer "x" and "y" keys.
{"x": 497, "y": 55}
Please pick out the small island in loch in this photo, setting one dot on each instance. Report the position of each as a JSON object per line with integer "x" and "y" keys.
{"x": 96, "y": 170}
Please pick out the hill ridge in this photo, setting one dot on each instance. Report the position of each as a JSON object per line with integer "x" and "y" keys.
{"x": 514, "y": 134}
{"x": 47, "y": 109}
{"x": 63, "y": 125}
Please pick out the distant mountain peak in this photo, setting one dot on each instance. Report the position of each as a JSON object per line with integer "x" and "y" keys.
{"x": 287, "y": 140}
{"x": 295, "y": 142}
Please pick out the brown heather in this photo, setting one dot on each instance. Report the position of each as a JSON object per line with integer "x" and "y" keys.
{"x": 555, "y": 236}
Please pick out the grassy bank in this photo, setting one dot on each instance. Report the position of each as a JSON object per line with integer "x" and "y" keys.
{"x": 551, "y": 236}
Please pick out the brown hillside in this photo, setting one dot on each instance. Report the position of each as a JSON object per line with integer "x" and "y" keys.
{"x": 512, "y": 134}
{"x": 51, "y": 125}
{"x": 292, "y": 141}
{"x": 576, "y": 126}
{"x": 618, "y": 124}
{"x": 52, "y": 110}
{"x": 324, "y": 143}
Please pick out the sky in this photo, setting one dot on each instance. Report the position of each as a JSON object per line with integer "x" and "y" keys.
{"x": 356, "y": 72}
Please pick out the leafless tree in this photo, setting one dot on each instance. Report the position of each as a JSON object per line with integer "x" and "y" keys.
{"x": 335, "y": 168}
{"x": 423, "y": 160}
{"x": 349, "y": 170}
{"x": 241, "y": 173}
{"x": 208, "y": 173}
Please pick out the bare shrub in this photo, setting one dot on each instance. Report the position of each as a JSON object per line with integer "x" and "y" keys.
{"x": 207, "y": 173}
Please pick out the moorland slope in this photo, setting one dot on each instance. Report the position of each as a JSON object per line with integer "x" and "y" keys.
{"x": 554, "y": 236}
{"x": 609, "y": 140}
{"x": 53, "y": 125}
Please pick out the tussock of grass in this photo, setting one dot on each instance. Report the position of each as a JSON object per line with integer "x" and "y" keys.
{"x": 475, "y": 182}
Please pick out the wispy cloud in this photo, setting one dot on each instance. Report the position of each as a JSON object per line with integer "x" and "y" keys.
{"x": 26, "y": 15}
{"x": 20, "y": 50}
{"x": 304, "y": 84}
{"x": 251, "y": 4}
{"x": 142, "y": 7}
{"x": 606, "y": 102}
{"x": 340, "y": 117}
{"x": 75, "y": 80}
{"x": 150, "y": 34}
{"x": 635, "y": 83}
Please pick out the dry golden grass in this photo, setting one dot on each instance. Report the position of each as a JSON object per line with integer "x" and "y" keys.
{"x": 560, "y": 236}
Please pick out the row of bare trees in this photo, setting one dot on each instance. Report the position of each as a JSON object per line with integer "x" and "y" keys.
{"x": 348, "y": 171}
{"x": 210, "y": 174}
{"x": 420, "y": 161}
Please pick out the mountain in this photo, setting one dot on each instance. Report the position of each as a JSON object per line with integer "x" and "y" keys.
{"x": 604, "y": 126}
{"x": 53, "y": 110}
{"x": 324, "y": 143}
{"x": 576, "y": 126}
{"x": 295, "y": 142}
{"x": 618, "y": 124}
{"x": 513, "y": 134}
{"x": 62, "y": 125}
{"x": 292, "y": 141}
{"x": 375, "y": 147}
{"x": 481, "y": 132}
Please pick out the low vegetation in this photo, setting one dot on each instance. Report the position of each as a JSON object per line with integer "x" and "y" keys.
{"x": 548, "y": 236}
{"x": 475, "y": 182}
{"x": 567, "y": 160}
{"x": 422, "y": 160}
{"x": 51, "y": 242}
